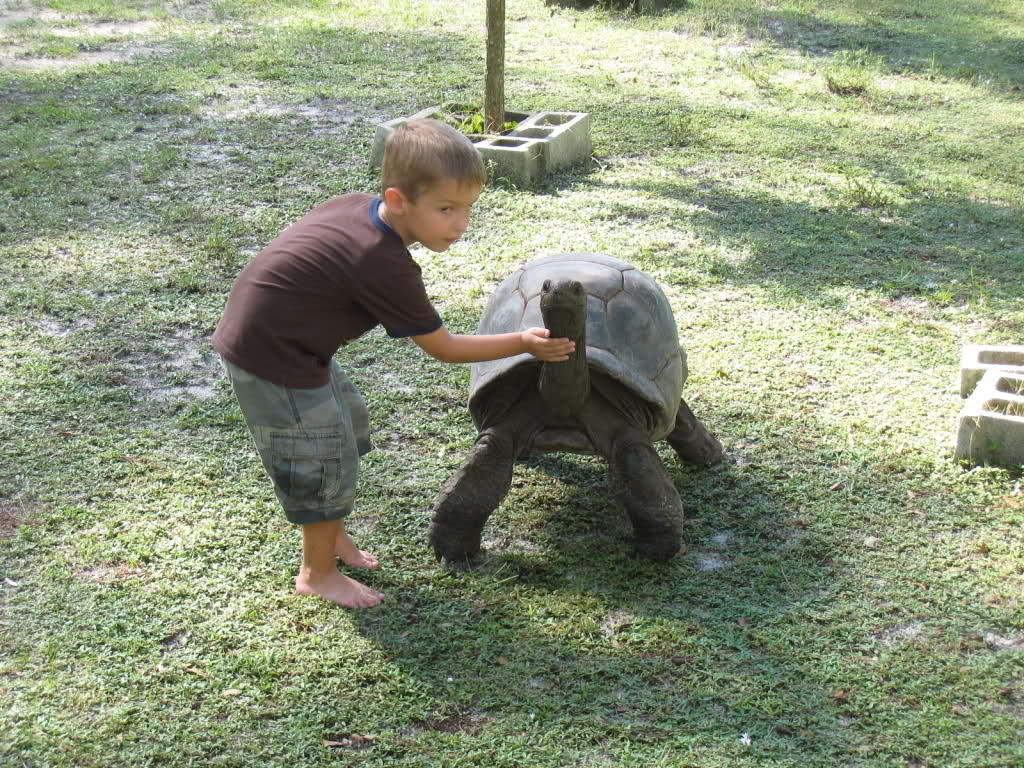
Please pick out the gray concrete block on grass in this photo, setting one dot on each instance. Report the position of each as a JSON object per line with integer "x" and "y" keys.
{"x": 977, "y": 359}
{"x": 566, "y": 137}
{"x": 386, "y": 129}
{"x": 991, "y": 423}
{"x": 519, "y": 159}
{"x": 541, "y": 143}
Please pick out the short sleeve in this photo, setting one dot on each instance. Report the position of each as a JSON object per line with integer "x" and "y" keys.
{"x": 396, "y": 297}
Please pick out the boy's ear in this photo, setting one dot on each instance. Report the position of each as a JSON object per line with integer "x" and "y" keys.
{"x": 394, "y": 199}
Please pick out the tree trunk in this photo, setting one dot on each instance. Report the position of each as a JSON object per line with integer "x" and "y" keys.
{"x": 494, "y": 84}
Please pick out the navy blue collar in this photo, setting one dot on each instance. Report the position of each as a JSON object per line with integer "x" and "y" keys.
{"x": 378, "y": 222}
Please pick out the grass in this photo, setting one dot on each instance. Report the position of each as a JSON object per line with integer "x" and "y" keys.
{"x": 850, "y": 73}
{"x": 850, "y": 595}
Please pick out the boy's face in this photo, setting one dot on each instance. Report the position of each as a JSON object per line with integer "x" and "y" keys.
{"x": 438, "y": 217}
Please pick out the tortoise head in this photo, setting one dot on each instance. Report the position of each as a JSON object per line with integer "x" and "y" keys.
{"x": 563, "y": 305}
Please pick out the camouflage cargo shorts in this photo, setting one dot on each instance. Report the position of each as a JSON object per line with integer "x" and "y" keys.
{"x": 309, "y": 441}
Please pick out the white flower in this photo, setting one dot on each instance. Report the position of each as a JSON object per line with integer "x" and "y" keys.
{"x": 745, "y": 739}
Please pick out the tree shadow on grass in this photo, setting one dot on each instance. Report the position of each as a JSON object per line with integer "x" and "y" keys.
{"x": 752, "y": 630}
{"x": 951, "y": 243}
{"x": 144, "y": 146}
{"x": 957, "y": 42}
{"x": 965, "y": 41}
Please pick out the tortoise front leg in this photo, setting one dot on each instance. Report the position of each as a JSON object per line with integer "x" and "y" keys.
{"x": 470, "y": 496}
{"x": 692, "y": 441}
{"x": 482, "y": 482}
{"x": 639, "y": 479}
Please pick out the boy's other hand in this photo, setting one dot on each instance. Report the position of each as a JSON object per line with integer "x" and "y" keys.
{"x": 538, "y": 344}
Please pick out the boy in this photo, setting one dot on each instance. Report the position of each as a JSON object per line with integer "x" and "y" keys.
{"x": 333, "y": 275}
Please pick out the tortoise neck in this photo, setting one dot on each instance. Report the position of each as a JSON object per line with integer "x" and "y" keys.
{"x": 565, "y": 386}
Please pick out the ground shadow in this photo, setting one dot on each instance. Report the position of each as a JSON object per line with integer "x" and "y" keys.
{"x": 963, "y": 42}
{"x": 195, "y": 120}
{"x": 641, "y": 675}
{"x": 928, "y": 242}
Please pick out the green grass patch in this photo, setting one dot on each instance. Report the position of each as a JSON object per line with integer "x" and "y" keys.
{"x": 849, "y": 594}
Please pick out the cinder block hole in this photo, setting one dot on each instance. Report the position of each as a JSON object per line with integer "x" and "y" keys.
{"x": 1005, "y": 407}
{"x": 1001, "y": 357}
{"x": 535, "y": 132}
{"x": 554, "y": 118}
{"x": 508, "y": 142}
{"x": 1011, "y": 386}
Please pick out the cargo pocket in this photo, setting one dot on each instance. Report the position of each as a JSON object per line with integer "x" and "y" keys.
{"x": 307, "y": 467}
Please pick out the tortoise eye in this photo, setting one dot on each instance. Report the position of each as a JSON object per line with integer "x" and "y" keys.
{"x": 547, "y": 286}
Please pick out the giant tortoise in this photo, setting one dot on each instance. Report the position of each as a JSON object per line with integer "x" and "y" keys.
{"x": 618, "y": 393}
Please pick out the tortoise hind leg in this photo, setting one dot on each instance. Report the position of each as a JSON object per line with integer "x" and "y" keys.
{"x": 638, "y": 478}
{"x": 692, "y": 441}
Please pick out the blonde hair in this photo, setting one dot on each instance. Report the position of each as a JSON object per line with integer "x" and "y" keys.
{"x": 421, "y": 153}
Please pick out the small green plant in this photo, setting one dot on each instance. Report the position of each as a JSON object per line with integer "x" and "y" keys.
{"x": 686, "y": 129}
{"x": 469, "y": 119}
{"x": 747, "y": 67}
{"x": 850, "y": 73}
{"x": 54, "y": 48}
{"x": 159, "y": 162}
{"x": 862, "y": 192}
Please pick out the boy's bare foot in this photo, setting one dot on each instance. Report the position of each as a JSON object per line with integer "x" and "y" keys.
{"x": 351, "y": 555}
{"x": 337, "y": 588}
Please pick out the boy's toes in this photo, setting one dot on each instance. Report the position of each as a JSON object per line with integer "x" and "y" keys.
{"x": 360, "y": 559}
{"x": 369, "y": 598}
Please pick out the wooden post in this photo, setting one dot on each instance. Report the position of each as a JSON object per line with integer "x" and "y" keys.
{"x": 494, "y": 84}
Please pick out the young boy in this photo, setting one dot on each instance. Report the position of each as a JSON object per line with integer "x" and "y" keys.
{"x": 339, "y": 271}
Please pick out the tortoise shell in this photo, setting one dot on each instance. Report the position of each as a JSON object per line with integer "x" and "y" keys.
{"x": 631, "y": 331}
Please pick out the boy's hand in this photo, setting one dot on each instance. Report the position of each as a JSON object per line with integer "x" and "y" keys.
{"x": 543, "y": 348}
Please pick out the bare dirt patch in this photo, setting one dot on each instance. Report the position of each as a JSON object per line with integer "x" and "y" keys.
{"x": 905, "y": 633}
{"x": 187, "y": 370}
{"x": 1000, "y": 643}
{"x": 78, "y": 61}
{"x": 461, "y": 722}
{"x": 109, "y": 42}
{"x": 910, "y": 304}
{"x": 53, "y": 327}
{"x": 711, "y": 561}
{"x": 510, "y": 545}
{"x": 11, "y": 516}
{"x": 116, "y": 29}
{"x": 12, "y": 13}
{"x": 246, "y": 101}
{"x": 615, "y": 622}
{"x": 108, "y": 574}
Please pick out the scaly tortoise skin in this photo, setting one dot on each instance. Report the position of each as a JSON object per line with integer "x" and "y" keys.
{"x": 616, "y": 395}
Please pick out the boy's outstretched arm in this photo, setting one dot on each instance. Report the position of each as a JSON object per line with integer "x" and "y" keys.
{"x": 473, "y": 348}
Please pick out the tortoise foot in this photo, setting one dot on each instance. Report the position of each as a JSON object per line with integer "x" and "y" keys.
{"x": 659, "y": 549}
{"x": 458, "y": 547}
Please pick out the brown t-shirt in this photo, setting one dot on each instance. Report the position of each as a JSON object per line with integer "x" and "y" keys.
{"x": 330, "y": 277}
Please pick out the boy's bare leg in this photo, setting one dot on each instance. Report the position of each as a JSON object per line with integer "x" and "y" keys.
{"x": 350, "y": 554}
{"x": 319, "y": 573}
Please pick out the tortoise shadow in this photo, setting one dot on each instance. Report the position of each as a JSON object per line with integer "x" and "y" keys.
{"x": 658, "y": 629}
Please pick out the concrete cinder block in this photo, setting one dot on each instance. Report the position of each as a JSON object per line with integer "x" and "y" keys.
{"x": 991, "y": 423}
{"x": 977, "y": 359}
{"x": 566, "y": 137}
{"x": 518, "y": 158}
{"x": 541, "y": 143}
